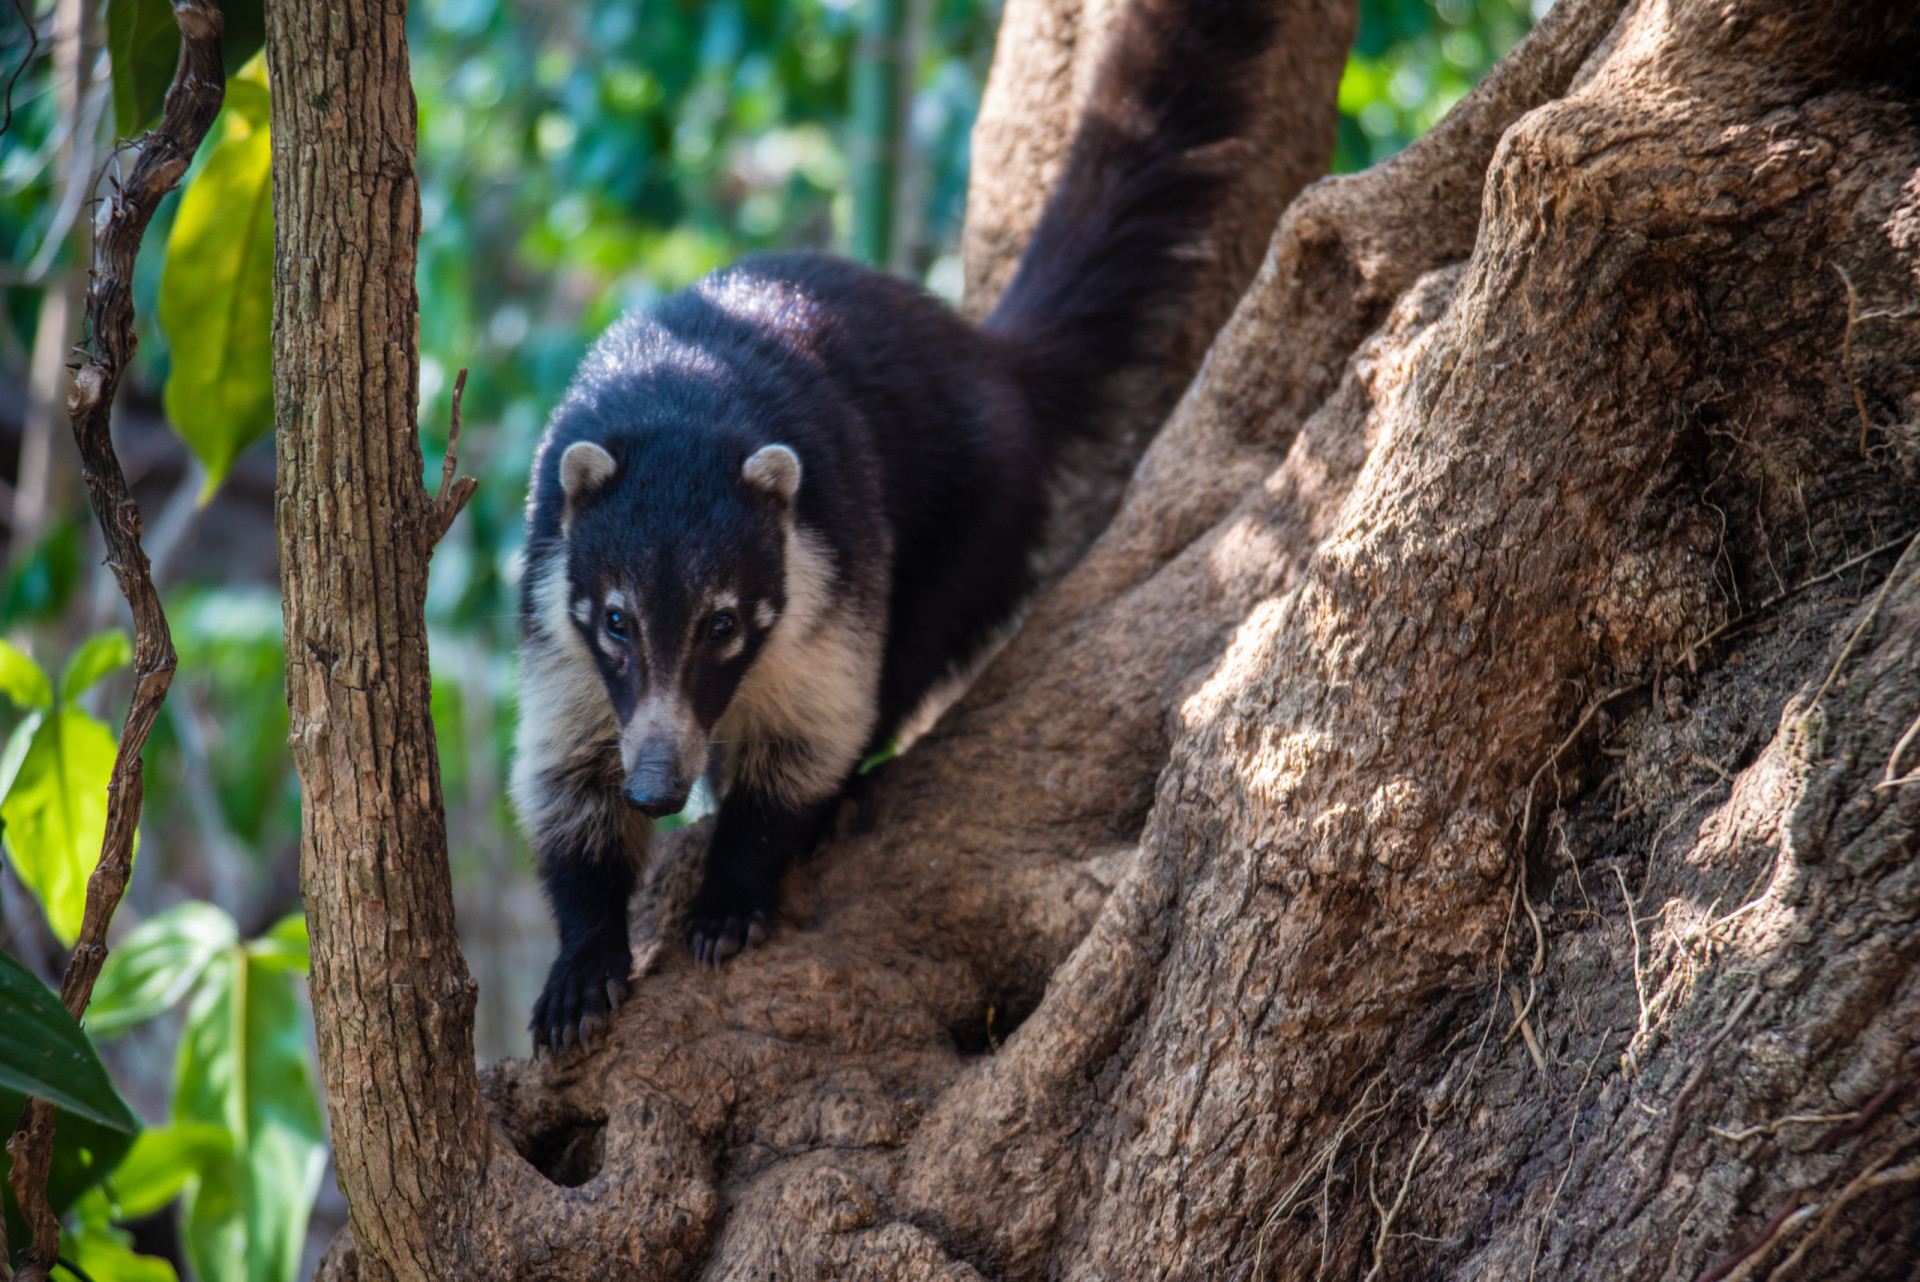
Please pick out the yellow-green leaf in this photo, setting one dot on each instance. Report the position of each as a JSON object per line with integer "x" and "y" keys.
{"x": 98, "y": 655}
{"x": 161, "y": 1162}
{"x": 156, "y": 965}
{"x": 22, "y": 680}
{"x": 104, "y": 1255}
{"x": 243, "y": 1066}
{"x": 55, "y": 810}
{"x": 216, "y": 292}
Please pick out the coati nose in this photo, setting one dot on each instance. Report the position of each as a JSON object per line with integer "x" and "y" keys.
{"x": 656, "y": 788}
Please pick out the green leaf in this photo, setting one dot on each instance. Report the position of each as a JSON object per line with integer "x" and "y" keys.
{"x": 45, "y": 1054}
{"x": 243, "y": 1065}
{"x": 216, "y": 293}
{"x": 285, "y": 947}
{"x": 55, "y": 810}
{"x": 104, "y": 1255}
{"x": 160, "y": 1163}
{"x": 99, "y": 654}
{"x": 144, "y": 41}
{"x": 156, "y": 964}
{"x": 22, "y": 680}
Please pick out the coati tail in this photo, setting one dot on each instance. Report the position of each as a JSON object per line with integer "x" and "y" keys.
{"x": 1115, "y": 253}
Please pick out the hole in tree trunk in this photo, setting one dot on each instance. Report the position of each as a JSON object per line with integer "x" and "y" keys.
{"x": 570, "y": 1152}
{"x": 986, "y": 1032}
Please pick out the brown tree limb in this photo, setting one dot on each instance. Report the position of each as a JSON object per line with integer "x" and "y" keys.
{"x": 159, "y": 161}
{"x": 453, "y": 493}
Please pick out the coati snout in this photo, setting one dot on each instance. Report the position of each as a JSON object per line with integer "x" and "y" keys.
{"x": 658, "y": 782}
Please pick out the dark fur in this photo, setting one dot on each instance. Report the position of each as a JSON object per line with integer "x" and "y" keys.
{"x": 926, "y": 448}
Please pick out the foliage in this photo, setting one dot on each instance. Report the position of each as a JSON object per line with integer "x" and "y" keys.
{"x": 53, "y": 777}
{"x": 216, "y": 293}
{"x": 144, "y": 43}
{"x": 246, "y": 1116}
{"x": 1412, "y": 60}
{"x": 43, "y": 1053}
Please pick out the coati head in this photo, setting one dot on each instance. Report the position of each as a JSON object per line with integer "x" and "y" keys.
{"x": 674, "y": 577}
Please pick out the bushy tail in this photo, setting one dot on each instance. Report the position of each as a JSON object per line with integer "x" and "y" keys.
{"x": 1119, "y": 245}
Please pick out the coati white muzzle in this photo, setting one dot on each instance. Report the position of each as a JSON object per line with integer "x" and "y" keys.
{"x": 664, "y": 753}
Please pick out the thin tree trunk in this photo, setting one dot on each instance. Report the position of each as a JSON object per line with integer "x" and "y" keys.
{"x": 390, "y": 989}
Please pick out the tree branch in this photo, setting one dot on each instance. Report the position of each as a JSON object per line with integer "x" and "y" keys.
{"x": 453, "y": 494}
{"x": 159, "y": 160}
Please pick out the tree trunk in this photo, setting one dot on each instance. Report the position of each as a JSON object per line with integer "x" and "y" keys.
{"x": 1450, "y": 823}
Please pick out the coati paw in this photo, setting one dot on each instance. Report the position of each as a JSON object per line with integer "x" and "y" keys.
{"x": 716, "y": 938}
{"x": 584, "y": 988}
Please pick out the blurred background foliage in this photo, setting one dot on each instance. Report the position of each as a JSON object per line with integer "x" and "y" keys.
{"x": 576, "y": 159}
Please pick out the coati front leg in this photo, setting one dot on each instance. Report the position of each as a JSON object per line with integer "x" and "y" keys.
{"x": 755, "y": 839}
{"x": 587, "y": 867}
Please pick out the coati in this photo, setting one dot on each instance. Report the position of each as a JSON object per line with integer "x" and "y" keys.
{"x": 776, "y": 508}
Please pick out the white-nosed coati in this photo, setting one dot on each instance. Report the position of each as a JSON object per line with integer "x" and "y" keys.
{"x": 776, "y": 508}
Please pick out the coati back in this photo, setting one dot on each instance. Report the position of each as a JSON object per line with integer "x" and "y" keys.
{"x": 776, "y": 508}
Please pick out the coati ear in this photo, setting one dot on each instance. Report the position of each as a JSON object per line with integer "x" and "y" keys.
{"x": 584, "y": 468}
{"x": 775, "y": 469}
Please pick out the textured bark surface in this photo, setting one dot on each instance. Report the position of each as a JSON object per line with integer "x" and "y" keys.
{"x": 1441, "y": 828}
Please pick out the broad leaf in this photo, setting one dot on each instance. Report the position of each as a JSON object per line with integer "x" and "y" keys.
{"x": 285, "y": 947}
{"x": 243, "y": 1066}
{"x": 156, "y": 964}
{"x": 98, "y": 655}
{"x": 22, "y": 680}
{"x": 160, "y": 1163}
{"x": 216, "y": 292}
{"x": 105, "y": 1254}
{"x": 55, "y": 810}
{"x": 144, "y": 40}
{"x": 45, "y": 1054}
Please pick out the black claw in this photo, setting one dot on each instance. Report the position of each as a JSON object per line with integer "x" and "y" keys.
{"x": 585, "y": 985}
{"x": 715, "y": 939}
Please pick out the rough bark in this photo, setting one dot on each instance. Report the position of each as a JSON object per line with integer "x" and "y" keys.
{"x": 355, "y": 526}
{"x": 1445, "y": 811}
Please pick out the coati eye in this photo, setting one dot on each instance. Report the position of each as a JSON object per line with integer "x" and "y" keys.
{"x": 616, "y": 625}
{"x": 722, "y": 627}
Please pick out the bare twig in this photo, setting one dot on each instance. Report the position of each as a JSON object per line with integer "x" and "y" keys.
{"x": 1387, "y": 1217}
{"x": 1892, "y": 779}
{"x": 1780, "y": 1123}
{"x": 1677, "y": 1111}
{"x": 1873, "y": 612}
{"x": 1760, "y": 1241}
{"x": 1526, "y": 816}
{"x": 1740, "y": 621}
{"x": 1639, "y": 982}
{"x": 1846, "y": 356}
{"x": 159, "y": 161}
{"x": 33, "y": 49}
{"x": 1521, "y": 1025}
{"x": 1355, "y": 1116}
{"x": 1872, "y": 1178}
{"x": 453, "y": 494}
